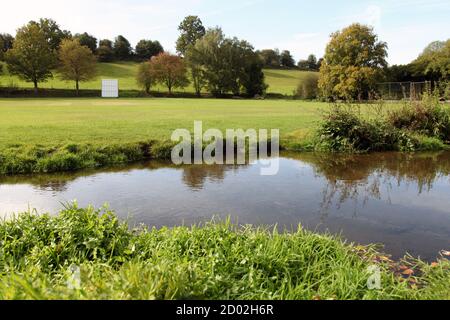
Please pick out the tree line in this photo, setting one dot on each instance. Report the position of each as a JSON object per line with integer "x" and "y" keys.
{"x": 355, "y": 61}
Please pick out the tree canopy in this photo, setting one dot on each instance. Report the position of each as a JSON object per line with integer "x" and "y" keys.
{"x": 169, "y": 70}
{"x": 353, "y": 62}
{"x": 434, "y": 62}
{"x": 122, "y": 48}
{"x": 87, "y": 40}
{"x": 31, "y": 58}
{"x": 191, "y": 29}
{"x": 145, "y": 49}
{"x": 53, "y": 33}
{"x": 77, "y": 62}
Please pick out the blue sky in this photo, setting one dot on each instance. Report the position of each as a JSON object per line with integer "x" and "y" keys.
{"x": 303, "y": 27}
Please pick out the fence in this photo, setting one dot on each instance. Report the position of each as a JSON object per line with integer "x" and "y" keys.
{"x": 403, "y": 90}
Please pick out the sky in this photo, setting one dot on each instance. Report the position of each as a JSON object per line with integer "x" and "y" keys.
{"x": 303, "y": 27}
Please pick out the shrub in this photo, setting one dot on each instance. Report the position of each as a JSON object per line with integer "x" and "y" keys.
{"x": 427, "y": 117}
{"x": 308, "y": 87}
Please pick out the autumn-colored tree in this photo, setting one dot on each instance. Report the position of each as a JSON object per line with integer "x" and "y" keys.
{"x": 353, "y": 62}
{"x": 169, "y": 70}
{"x": 77, "y": 62}
{"x": 145, "y": 77}
{"x": 31, "y": 57}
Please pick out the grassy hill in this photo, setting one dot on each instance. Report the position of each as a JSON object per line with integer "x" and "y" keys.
{"x": 279, "y": 81}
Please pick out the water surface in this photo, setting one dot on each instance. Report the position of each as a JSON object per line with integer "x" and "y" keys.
{"x": 399, "y": 200}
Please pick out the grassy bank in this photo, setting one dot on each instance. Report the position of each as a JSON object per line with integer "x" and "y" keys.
{"x": 40, "y": 257}
{"x": 280, "y": 81}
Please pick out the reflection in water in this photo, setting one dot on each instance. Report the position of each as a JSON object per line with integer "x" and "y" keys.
{"x": 400, "y": 200}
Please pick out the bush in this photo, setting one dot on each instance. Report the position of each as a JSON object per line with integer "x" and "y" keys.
{"x": 427, "y": 117}
{"x": 308, "y": 87}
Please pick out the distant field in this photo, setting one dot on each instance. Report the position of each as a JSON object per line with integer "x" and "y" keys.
{"x": 279, "y": 81}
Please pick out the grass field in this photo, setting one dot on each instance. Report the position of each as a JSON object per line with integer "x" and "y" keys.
{"x": 279, "y": 81}
{"x": 88, "y": 254}
{"x": 60, "y": 121}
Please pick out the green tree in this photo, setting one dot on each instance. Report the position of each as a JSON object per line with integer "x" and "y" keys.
{"x": 287, "y": 60}
{"x": 169, "y": 70}
{"x": 227, "y": 65}
{"x": 105, "y": 51}
{"x": 145, "y": 49}
{"x": 52, "y": 32}
{"x": 31, "y": 57}
{"x": 308, "y": 87}
{"x": 271, "y": 58}
{"x": 145, "y": 76}
{"x": 353, "y": 63}
{"x": 77, "y": 62}
{"x": 191, "y": 29}
{"x": 6, "y": 43}
{"x": 122, "y": 48}
{"x": 434, "y": 62}
{"x": 87, "y": 40}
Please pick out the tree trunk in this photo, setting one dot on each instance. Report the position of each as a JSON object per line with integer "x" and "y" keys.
{"x": 78, "y": 87}
{"x": 36, "y": 90}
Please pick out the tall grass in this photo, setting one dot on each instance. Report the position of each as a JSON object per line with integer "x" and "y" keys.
{"x": 39, "y": 254}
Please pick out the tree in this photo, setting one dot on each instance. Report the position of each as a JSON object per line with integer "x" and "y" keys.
{"x": 145, "y": 49}
{"x": 105, "y": 51}
{"x": 197, "y": 74}
{"x": 145, "y": 76}
{"x": 77, "y": 62}
{"x": 307, "y": 89}
{"x": 31, "y": 57}
{"x": 87, "y": 40}
{"x": 310, "y": 64}
{"x": 191, "y": 29}
{"x": 353, "y": 63}
{"x": 52, "y": 32}
{"x": 122, "y": 48}
{"x": 287, "y": 60}
{"x": 434, "y": 62}
{"x": 227, "y": 65}
{"x": 169, "y": 70}
{"x": 271, "y": 58}
{"x": 6, "y": 43}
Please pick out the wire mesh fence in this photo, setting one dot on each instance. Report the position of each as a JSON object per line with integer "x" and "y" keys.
{"x": 404, "y": 90}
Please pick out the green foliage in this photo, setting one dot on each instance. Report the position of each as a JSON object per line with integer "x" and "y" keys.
{"x": 145, "y": 78}
{"x": 39, "y": 254}
{"x": 434, "y": 62}
{"x": 287, "y": 60}
{"x": 145, "y": 49}
{"x": 310, "y": 64}
{"x": 308, "y": 87}
{"x": 105, "y": 52}
{"x": 52, "y": 32}
{"x": 31, "y": 58}
{"x": 353, "y": 62}
{"x": 227, "y": 65}
{"x": 122, "y": 48}
{"x": 271, "y": 58}
{"x": 191, "y": 29}
{"x": 87, "y": 40}
{"x": 6, "y": 43}
{"x": 77, "y": 62}
{"x": 428, "y": 117}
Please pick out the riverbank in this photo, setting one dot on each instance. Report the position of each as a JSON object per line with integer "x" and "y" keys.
{"x": 89, "y": 254}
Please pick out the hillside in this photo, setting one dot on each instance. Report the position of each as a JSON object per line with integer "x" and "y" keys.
{"x": 279, "y": 81}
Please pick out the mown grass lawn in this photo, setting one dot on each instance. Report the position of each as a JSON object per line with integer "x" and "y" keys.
{"x": 279, "y": 81}
{"x": 60, "y": 121}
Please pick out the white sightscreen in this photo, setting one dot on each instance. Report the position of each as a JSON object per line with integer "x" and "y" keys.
{"x": 110, "y": 88}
